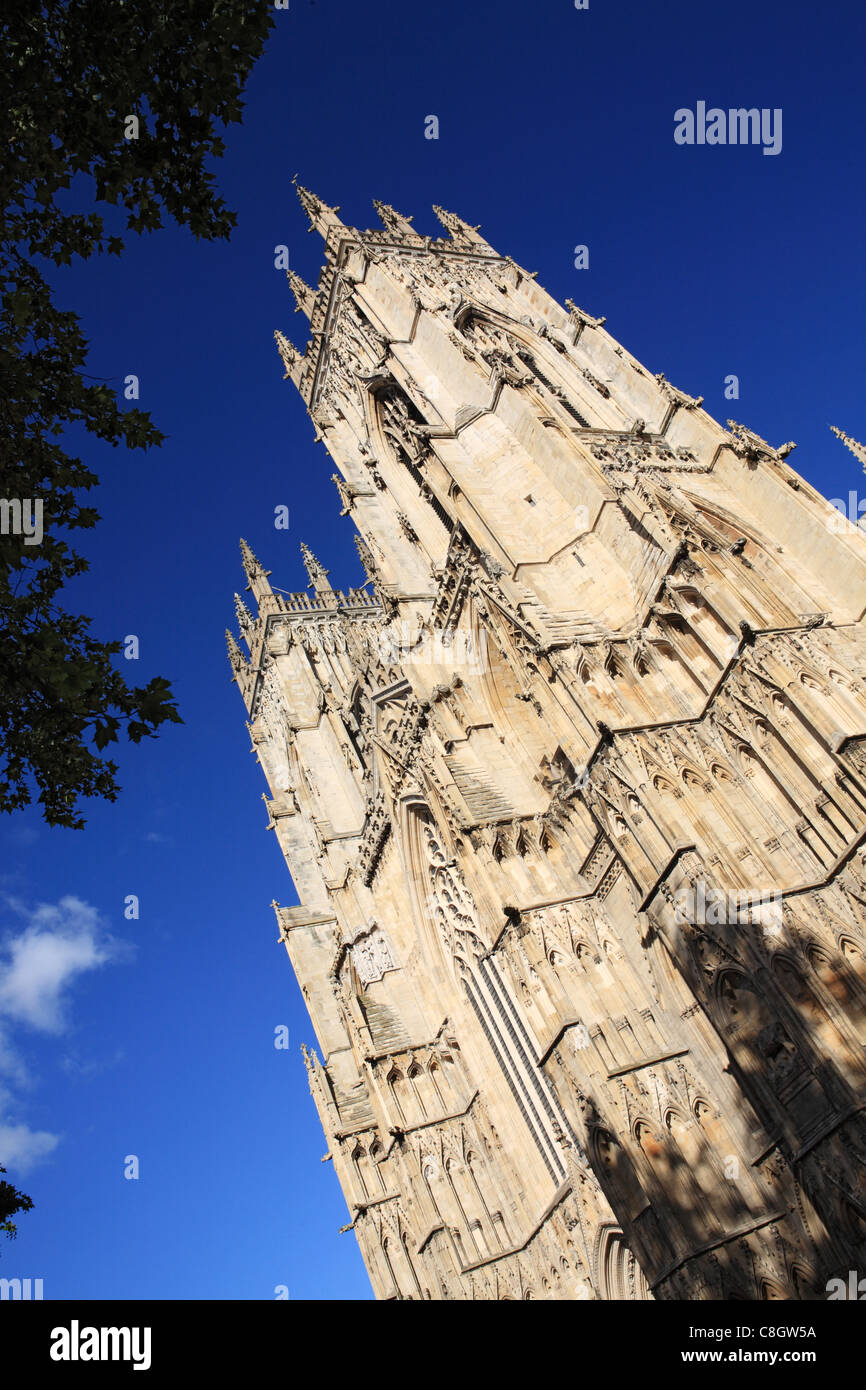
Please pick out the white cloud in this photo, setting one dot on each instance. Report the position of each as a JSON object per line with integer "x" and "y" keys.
{"x": 38, "y": 967}
{"x": 21, "y": 1148}
{"x": 62, "y": 941}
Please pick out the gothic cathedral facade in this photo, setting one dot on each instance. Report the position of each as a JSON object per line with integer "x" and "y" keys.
{"x": 573, "y": 795}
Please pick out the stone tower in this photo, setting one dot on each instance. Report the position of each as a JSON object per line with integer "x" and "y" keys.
{"x": 573, "y": 795}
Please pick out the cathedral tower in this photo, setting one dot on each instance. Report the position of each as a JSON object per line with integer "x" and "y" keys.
{"x": 573, "y": 795}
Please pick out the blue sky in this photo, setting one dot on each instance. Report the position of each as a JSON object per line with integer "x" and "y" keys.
{"x": 155, "y": 1037}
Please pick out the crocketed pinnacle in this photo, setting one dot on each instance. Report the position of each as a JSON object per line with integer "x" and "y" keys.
{"x": 244, "y": 616}
{"x": 288, "y": 352}
{"x": 857, "y": 449}
{"x": 236, "y": 656}
{"x": 305, "y": 296}
{"x": 317, "y": 572}
{"x": 459, "y": 230}
{"x": 395, "y": 221}
{"x": 323, "y": 218}
{"x": 365, "y": 555}
{"x": 256, "y": 573}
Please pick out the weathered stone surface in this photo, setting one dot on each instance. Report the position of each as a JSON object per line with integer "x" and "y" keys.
{"x": 574, "y": 801}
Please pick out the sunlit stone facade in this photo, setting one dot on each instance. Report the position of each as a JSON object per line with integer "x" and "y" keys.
{"x": 573, "y": 795}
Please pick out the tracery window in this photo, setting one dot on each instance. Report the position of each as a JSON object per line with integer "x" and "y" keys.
{"x": 404, "y": 428}
{"x": 498, "y": 347}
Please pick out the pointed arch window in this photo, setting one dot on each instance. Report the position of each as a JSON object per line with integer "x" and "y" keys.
{"x": 403, "y": 427}
{"x": 494, "y": 343}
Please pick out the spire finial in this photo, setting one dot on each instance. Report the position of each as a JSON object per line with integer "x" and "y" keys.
{"x": 395, "y": 222}
{"x": 236, "y": 656}
{"x": 374, "y": 577}
{"x": 293, "y": 361}
{"x": 287, "y": 351}
{"x": 305, "y": 295}
{"x": 857, "y": 449}
{"x": 256, "y": 573}
{"x": 322, "y": 217}
{"x": 317, "y": 572}
{"x": 368, "y": 564}
{"x": 246, "y": 622}
{"x": 459, "y": 230}
{"x": 253, "y": 566}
